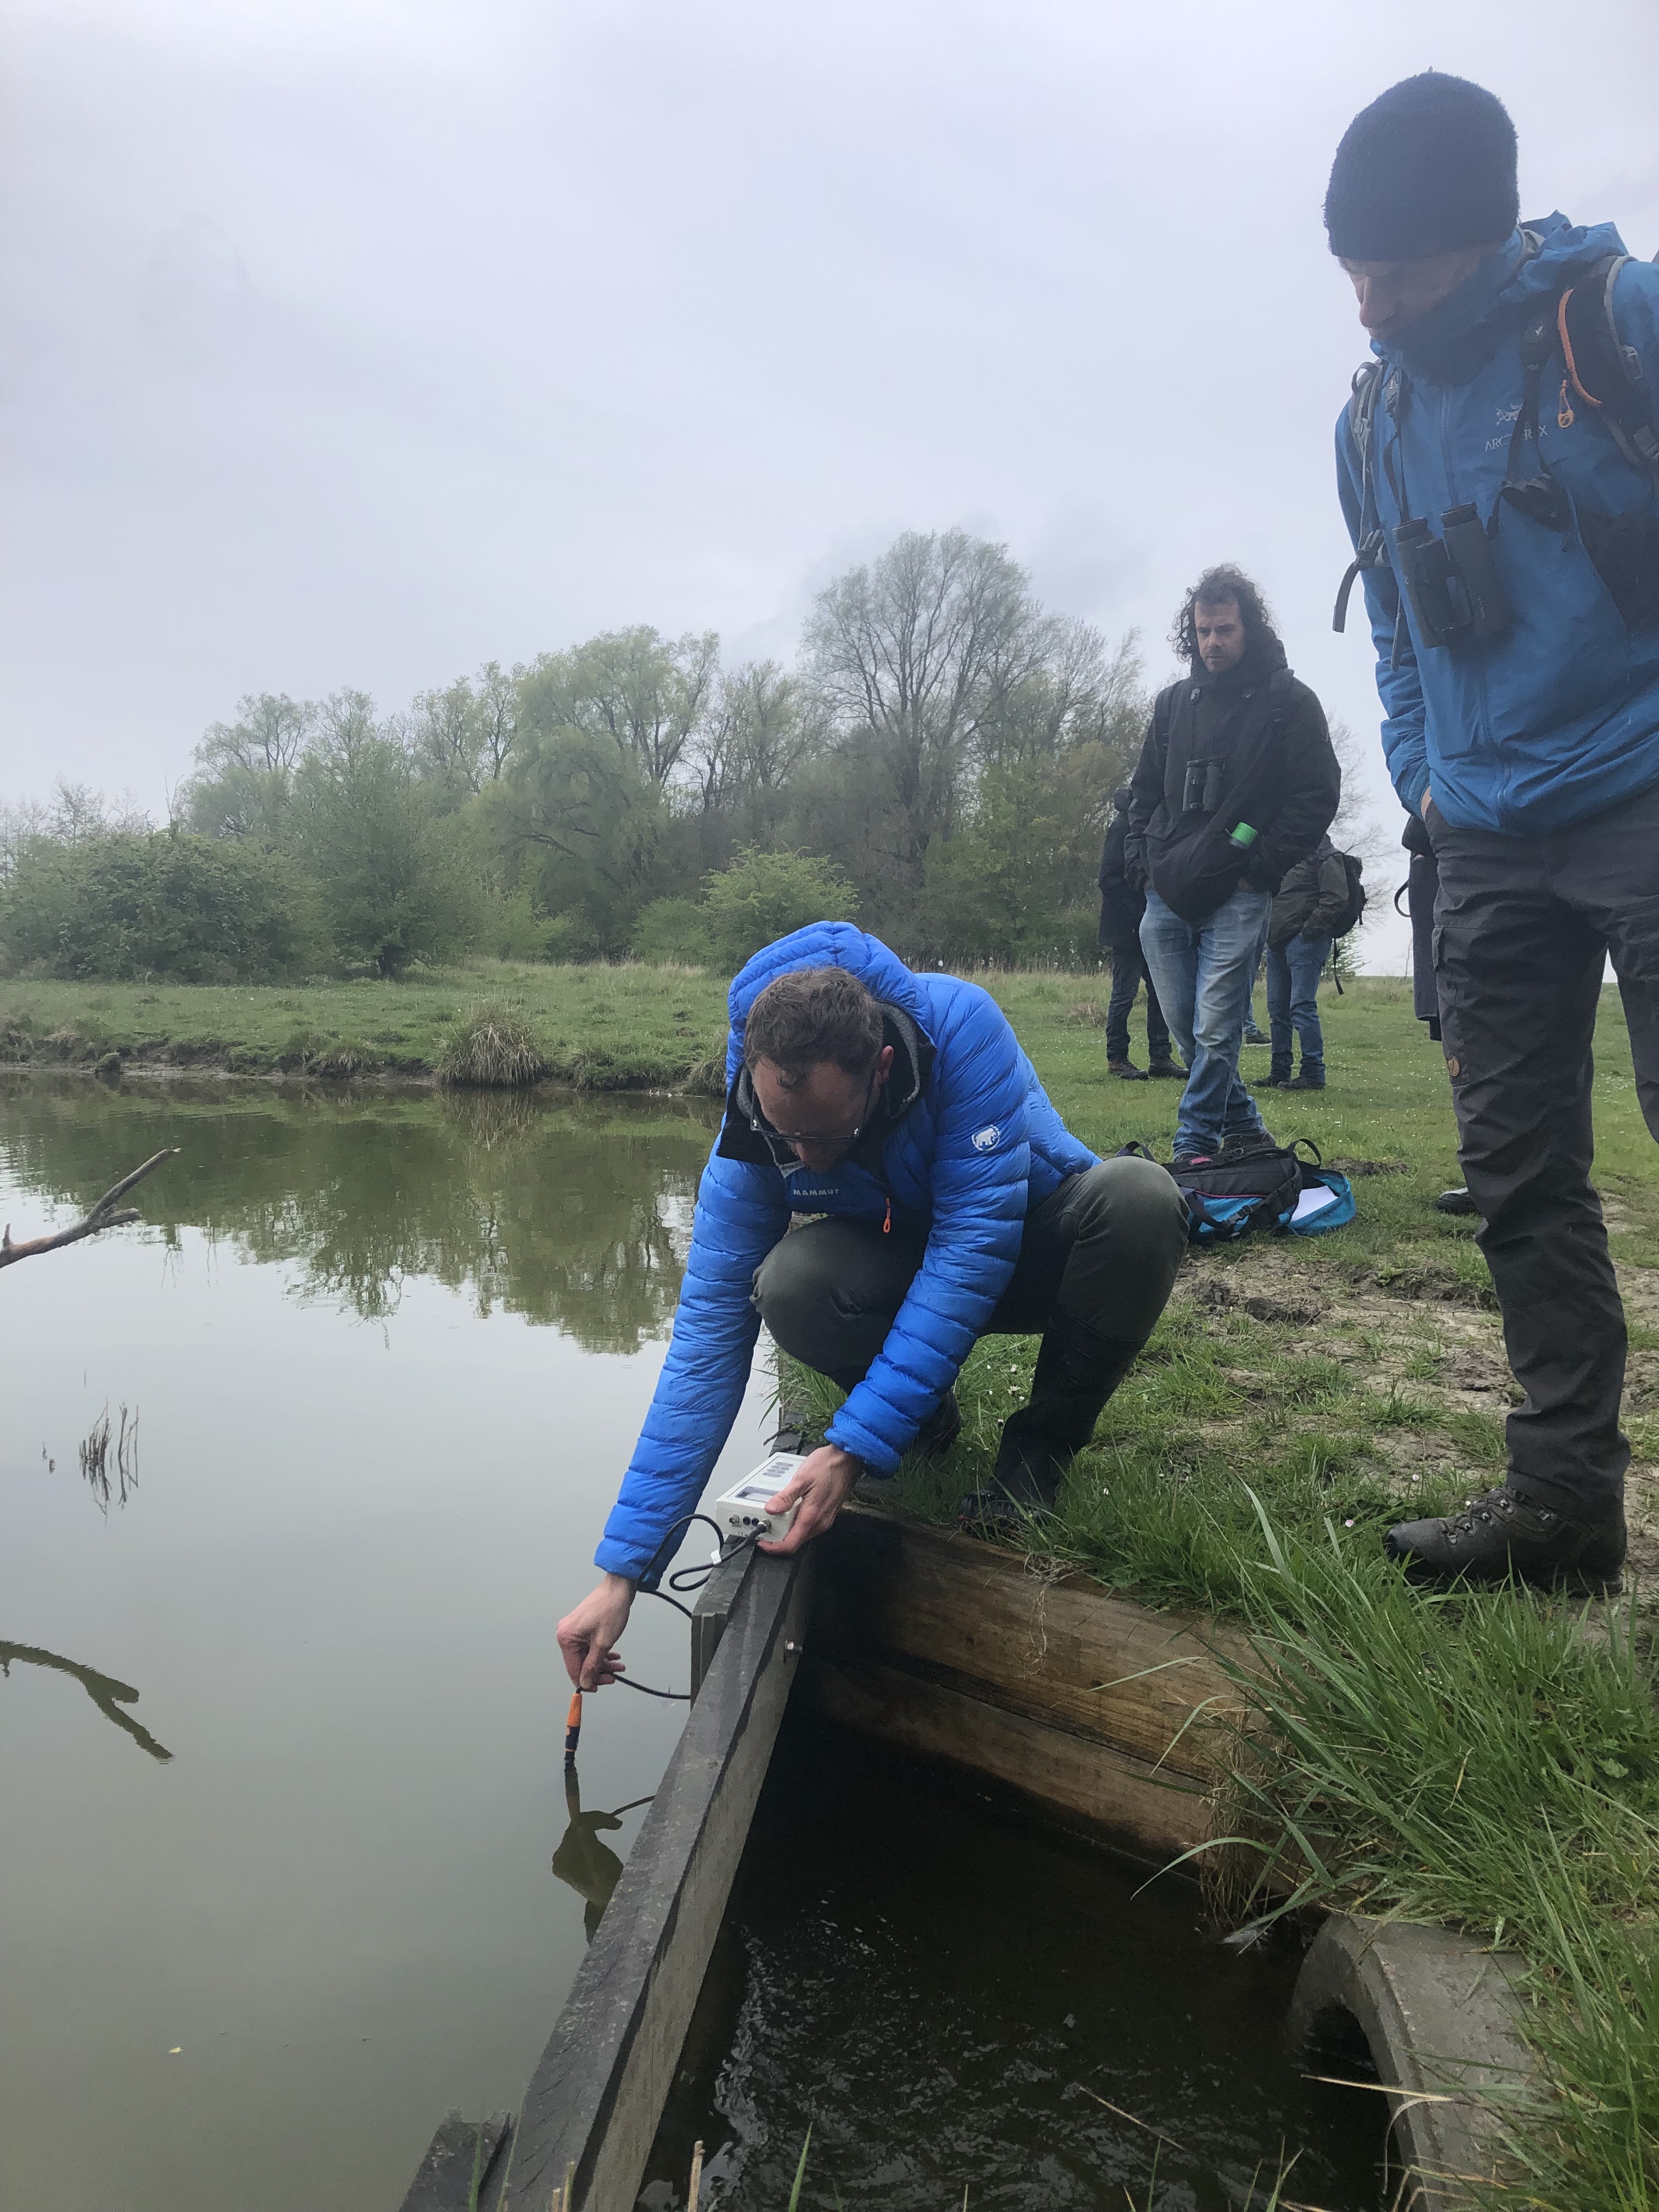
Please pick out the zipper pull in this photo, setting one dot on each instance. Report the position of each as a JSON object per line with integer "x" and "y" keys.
{"x": 1563, "y": 417}
{"x": 887, "y": 1225}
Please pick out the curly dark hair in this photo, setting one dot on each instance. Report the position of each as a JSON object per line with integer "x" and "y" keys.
{"x": 809, "y": 1015}
{"x": 1215, "y": 585}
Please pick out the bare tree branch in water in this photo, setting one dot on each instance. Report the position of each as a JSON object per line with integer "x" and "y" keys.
{"x": 105, "y": 1692}
{"x": 104, "y": 1215}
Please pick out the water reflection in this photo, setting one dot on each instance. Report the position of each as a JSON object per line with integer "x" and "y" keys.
{"x": 582, "y": 1861}
{"x": 105, "y": 1692}
{"x": 574, "y": 1214}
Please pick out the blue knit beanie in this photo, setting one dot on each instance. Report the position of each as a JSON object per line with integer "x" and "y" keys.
{"x": 1427, "y": 167}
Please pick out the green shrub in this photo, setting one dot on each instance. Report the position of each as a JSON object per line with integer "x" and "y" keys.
{"x": 674, "y": 929}
{"x": 162, "y": 903}
{"x": 764, "y": 896}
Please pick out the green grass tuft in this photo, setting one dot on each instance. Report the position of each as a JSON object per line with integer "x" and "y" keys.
{"x": 491, "y": 1047}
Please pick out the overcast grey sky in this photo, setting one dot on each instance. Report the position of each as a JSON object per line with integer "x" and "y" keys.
{"x": 361, "y": 341}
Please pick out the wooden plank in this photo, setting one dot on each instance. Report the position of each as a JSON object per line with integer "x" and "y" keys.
{"x": 712, "y": 1612}
{"x": 463, "y": 2158}
{"x": 1153, "y": 1815}
{"x": 978, "y": 1619}
{"x": 596, "y": 2098}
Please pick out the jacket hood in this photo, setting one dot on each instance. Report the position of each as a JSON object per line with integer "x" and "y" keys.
{"x": 1450, "y": 344}
{"x": 825, "y": 944}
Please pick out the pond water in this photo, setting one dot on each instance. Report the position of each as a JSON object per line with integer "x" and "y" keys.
{"x": 287, "y": 1864}
{"x": 264, "y": 1921}
{"x": 951, "y": 1999}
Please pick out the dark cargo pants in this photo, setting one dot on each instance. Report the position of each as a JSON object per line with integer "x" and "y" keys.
{"x": 1524, "y": 927}
{"x": 1099, "y": 1255}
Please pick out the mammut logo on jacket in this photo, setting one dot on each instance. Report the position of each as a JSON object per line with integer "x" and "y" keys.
{"x": 988, "y": 1138}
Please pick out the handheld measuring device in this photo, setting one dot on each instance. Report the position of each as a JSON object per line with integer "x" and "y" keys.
{"x": 741, "y": 1510}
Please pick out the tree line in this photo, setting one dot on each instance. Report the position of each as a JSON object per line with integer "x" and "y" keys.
{"x": 937, "y": 764}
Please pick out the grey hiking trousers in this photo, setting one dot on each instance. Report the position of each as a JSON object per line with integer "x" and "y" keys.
{"x": 1098, "y": 1255}
{"x": 1522, "y": 929}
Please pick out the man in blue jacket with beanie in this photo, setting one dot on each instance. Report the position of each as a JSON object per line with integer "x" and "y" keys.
{"x": 1500, "y": 471}
{"x": 937, "y": 1195}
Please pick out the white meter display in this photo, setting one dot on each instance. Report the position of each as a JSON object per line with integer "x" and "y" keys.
{"x": 742, "y": 1512}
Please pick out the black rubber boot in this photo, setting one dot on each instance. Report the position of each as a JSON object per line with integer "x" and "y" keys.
{"x": 1503, "y": 1534}
{"x": 1077, "y": 1371}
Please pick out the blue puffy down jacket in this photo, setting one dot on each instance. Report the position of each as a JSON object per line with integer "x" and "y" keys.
{"x": 977, "y": 1144}
{"x": 1556, "y": 719}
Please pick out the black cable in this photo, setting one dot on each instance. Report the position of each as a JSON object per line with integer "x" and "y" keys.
{"x": 683, "y": 1578}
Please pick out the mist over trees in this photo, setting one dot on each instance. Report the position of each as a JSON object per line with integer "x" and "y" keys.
{"x": 939, "y": 764}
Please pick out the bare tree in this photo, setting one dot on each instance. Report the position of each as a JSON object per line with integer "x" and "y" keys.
{"x": 443, "y": 732}
{"x": 268, "y": 736}
{"x": 913, "y": 654}
{"x": 646, "y": 693}
{"x": 498, "y": 696}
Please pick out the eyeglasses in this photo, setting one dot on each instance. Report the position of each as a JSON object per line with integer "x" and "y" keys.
{"x": 822, "y": 1137}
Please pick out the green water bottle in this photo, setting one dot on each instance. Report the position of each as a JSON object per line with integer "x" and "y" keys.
{"x": 1243, "y": 836}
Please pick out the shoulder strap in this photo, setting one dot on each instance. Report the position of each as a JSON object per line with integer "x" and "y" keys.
{"x": 1370, "y": 551}
{"x": 1603, "y": 371}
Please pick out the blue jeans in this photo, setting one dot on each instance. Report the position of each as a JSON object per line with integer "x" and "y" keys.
{"x": 1293, "y": 973}
{"x": 1203, "y": 972}
{"x": 1129, "y": 967}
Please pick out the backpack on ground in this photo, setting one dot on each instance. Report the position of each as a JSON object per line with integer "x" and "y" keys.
{"x": 1349, "y": 917}
{"x": 1265, "y": 1190}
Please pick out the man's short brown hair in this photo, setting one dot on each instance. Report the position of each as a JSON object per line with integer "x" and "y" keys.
{"x": 812, "y": 1015}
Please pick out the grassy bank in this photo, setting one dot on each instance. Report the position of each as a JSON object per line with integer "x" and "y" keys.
{"x": 599, "y": 1028}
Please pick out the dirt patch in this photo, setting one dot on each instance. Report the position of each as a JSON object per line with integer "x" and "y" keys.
{"x": 1297, "y": 1311}
{"x": 1360, "y": 1169}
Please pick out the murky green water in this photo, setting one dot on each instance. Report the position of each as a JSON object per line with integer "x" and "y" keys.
{"x": 266, "y": 1920}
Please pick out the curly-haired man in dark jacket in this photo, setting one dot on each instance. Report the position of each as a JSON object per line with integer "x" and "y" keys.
{"x": 1236, "y": 783}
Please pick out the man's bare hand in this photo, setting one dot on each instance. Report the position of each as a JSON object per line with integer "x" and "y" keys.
{"x": 588, "y": 1632}
{"x": 822, "y": 1484}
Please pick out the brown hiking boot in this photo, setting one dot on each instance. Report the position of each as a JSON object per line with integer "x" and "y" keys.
{"x": 1167, "y": 1069}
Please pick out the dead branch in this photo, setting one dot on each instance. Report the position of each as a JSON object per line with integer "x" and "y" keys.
{"x": 104, "y": 1215}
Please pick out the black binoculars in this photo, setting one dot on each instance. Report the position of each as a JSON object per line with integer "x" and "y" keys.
{"x": 1450, "y": 580}
{"x": 1201, "y": 786}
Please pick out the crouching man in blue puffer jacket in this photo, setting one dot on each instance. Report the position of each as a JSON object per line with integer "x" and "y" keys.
{"x": 1499, "y": 470}
{"x": 949, "y": 1200}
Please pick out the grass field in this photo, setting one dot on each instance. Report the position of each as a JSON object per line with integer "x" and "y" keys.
{"x": 1492, "y": 1759}
{"x": 601, "y": 1027}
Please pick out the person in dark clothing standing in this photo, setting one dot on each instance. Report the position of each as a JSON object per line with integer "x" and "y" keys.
{"x": 1312, "y": 903}
{"x": 1122, "y": 905}
{"x": 1498, "y": 470}
{"x": 1236, "y": 783}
